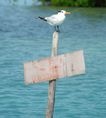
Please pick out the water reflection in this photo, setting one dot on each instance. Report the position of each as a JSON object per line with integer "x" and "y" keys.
{"x": 24, "y": 38}
{"x": 97, "y": 13}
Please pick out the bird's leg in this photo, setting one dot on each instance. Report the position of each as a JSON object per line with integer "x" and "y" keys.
{"x": 58, "y": 30}
{"x": 55, "y": 28}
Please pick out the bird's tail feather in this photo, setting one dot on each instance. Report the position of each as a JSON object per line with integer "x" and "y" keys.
{"x": 42, "y": 18}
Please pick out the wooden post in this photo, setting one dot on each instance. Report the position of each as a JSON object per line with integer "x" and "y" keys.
{"x": 52, "y": 83}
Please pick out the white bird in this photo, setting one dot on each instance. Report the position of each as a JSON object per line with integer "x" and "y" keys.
{"x": 56, "y": 19}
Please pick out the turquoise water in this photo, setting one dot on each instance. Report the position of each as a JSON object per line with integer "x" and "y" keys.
{"x": 24, "y": 38}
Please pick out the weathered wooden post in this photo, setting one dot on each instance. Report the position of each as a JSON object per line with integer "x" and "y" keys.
{"x": 52, "y": 68}
{"x": 52, "y": 83}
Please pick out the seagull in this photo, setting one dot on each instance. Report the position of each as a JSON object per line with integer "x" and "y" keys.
{"x": 56, "y": 20}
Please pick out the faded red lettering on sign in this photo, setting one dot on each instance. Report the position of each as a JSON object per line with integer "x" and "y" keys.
{"x": 69, "y": 64}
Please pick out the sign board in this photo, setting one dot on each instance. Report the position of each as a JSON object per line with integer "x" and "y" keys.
{"x": 56, "y": 67}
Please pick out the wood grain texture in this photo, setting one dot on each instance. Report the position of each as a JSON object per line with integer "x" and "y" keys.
{"x": 52, "y": 83}
{"x": 56, "y": 67}
{"x": 51, "y": 98}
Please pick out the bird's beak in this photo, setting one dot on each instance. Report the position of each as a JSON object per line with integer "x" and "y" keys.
{"x": 67, "y": 12}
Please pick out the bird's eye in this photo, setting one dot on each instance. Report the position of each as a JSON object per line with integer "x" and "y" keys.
{"x": 62, "y": 11}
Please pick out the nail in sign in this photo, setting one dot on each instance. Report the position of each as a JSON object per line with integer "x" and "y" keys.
{"x": 56, "y": 67}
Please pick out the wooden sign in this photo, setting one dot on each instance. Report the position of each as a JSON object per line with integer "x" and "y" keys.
{"x": 69, "y": 64}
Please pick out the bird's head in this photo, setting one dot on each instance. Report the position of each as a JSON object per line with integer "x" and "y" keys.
{"x": 64, "y": 12}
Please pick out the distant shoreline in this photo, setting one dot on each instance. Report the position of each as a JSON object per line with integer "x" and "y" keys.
{"x": 77, "y": 3}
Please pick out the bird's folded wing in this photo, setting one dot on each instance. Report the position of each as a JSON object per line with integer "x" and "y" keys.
{"x": 52, "y": 18}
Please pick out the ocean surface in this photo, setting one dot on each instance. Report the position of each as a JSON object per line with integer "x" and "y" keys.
{"x": 24, "y": 38}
